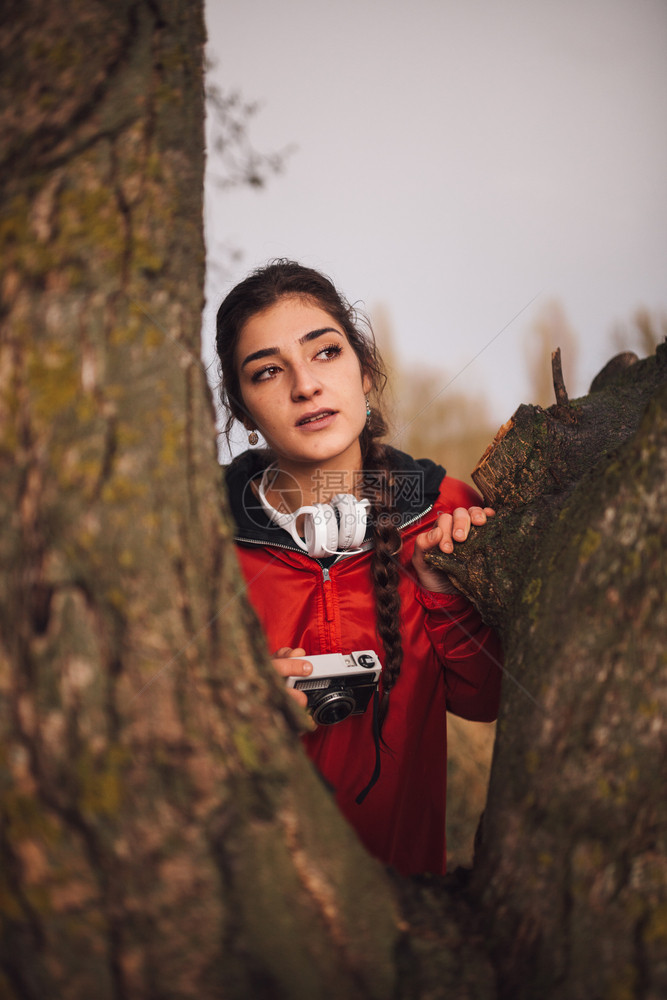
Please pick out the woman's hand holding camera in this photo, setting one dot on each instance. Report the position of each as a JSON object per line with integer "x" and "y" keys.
{"x": 448, "y": 529}
{"x": 287, "y": 667}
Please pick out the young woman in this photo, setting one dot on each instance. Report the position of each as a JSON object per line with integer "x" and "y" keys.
{"x": 297, "y": 367}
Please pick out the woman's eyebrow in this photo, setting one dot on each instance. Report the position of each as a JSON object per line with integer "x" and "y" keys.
{"x": 266, "y": 352}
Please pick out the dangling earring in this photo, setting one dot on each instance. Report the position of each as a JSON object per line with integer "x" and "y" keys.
{"x": 368, "y": 411}
{"x": 253, "y": 437}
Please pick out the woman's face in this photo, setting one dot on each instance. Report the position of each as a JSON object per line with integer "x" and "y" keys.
{"x": 302, "y": 385}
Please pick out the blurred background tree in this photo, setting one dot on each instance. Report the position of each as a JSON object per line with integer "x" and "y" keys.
{"x": 429, "y": 415}
{"x": 642, "y": 333}
{"x": 550, "y": 329}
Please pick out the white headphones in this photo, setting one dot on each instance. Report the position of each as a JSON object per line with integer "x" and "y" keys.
{"x": 329, "y": 527}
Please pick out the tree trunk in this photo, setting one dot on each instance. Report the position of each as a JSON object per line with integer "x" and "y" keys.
{"x": 158, "y": 836}
{"x": 162, "y": 833}
{"x": 573, "y": 876}
{"x": 570, "y": 884}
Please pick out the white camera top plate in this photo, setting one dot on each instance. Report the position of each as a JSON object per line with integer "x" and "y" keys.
{"x": 365, "y": 662}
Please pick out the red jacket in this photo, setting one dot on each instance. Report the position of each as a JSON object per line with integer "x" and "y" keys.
{"x": 451, "y": 662}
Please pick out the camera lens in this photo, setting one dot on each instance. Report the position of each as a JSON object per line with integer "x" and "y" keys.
{"x": 333, "y": 707}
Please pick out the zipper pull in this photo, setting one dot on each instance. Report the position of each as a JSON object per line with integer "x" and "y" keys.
{"x": 328, "y": 608}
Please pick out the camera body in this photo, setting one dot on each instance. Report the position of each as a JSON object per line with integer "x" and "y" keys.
{"x": 341, "y": 684}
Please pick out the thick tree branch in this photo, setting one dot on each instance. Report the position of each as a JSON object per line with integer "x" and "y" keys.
{"x": 527, "y": 474}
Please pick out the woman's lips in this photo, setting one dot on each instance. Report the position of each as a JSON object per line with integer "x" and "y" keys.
{"x": 317, "y": 420}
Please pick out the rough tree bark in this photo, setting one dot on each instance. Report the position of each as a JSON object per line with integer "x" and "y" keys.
{"x": 570, "y": 885}
{"x": 162, "y": 834}
{"x": 158, "y": 834}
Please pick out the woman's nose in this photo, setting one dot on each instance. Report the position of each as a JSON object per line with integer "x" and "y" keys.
{"x": 304, "y": 383}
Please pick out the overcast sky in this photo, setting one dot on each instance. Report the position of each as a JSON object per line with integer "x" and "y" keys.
{"x": 457, "y": 164}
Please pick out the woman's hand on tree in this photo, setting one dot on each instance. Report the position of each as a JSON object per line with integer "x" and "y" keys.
{"x": 288, "y": 667}
{"x": 447, "y": 530}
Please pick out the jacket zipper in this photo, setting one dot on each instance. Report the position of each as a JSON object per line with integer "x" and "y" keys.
{"x": 417, "y": 517}
{"x": 328, "y": 595}
{"x": 326, "y": 614}
{"x": 295, "y": 548}
{"x": 270, "y": 545}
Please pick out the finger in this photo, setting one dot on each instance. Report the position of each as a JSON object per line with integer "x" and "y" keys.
{"x": 428, "y": 539}
{"x": 461, "y": 524}
{"x": 300, "y": 697}
{"x": 288, "y": 667}
{"x": 445, "y": 524}
{"x": 489, "y": 511}
{"x": 288, "y": 651}
{"x": 418, "y": 552}
{"x": 477, "y": 515}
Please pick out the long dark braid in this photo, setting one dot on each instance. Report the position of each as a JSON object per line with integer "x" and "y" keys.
{"x": 384, "y": 565}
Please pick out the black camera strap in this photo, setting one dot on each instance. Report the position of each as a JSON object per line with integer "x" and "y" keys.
{"x": 376, "y": 737}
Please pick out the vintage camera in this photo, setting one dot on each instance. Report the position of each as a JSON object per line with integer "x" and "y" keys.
{"x": 340, "y": 684}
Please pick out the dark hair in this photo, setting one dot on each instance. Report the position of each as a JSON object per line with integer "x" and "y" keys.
{"x": 259, "y": 291}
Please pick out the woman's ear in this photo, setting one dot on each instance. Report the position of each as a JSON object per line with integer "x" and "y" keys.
{"x": 366, "y": 383}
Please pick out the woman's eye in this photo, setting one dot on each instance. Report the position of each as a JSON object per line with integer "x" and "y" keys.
{"x": 265, "y": 373}
{"x": 330, "y": 352}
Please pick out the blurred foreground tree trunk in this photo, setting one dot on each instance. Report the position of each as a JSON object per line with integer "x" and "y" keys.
{"x": 158, "y": 838}
{"x": 162, "y": 834}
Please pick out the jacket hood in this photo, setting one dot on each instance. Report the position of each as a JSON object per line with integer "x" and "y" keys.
{"x": 415, "y": 484}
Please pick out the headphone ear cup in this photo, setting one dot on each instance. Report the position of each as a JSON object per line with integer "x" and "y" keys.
{"x": 352, "y": 518}
{"x": 320, "y": 531}
{"x": 328, "y": 527}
